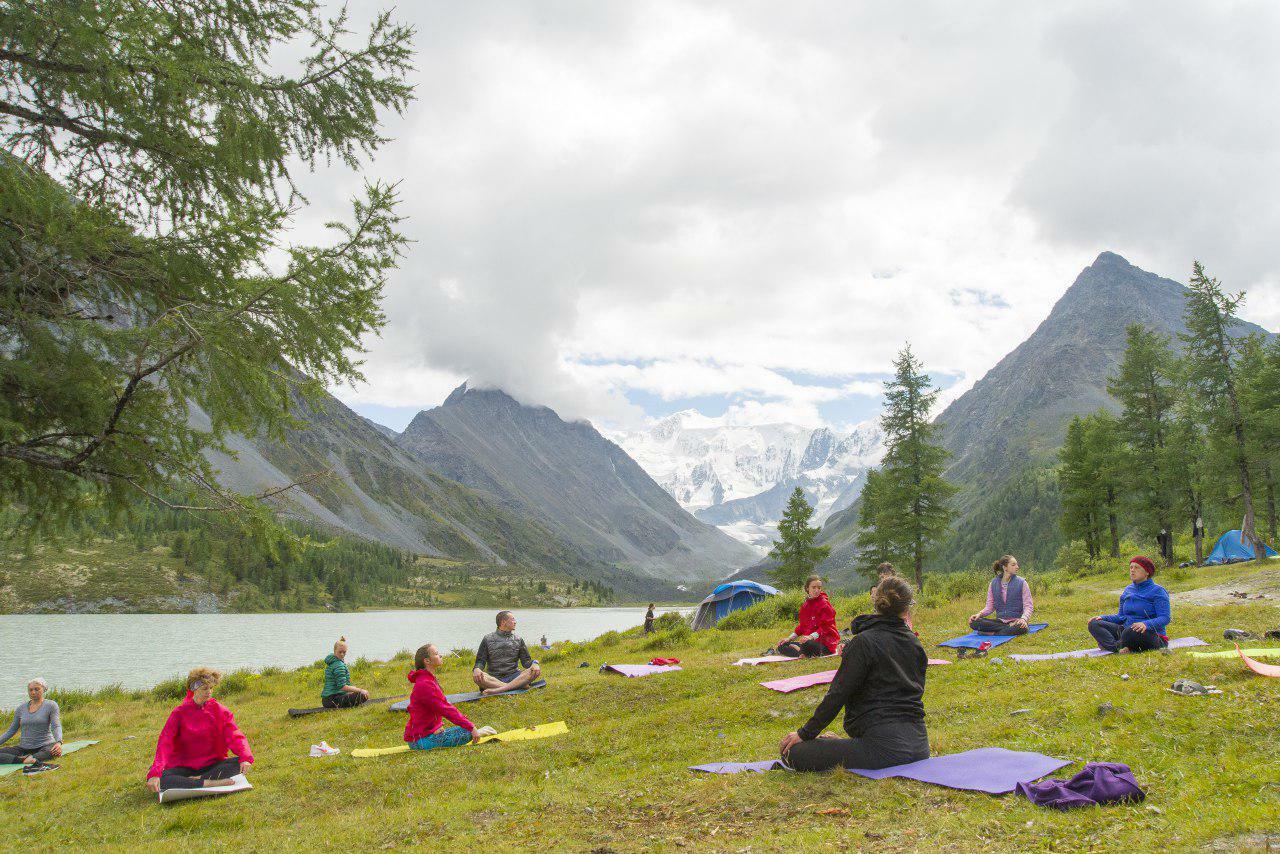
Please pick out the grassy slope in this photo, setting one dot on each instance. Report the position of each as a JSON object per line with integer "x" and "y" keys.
{"x": 618, "y": 779}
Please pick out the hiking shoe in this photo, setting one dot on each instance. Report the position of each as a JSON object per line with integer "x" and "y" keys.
{"x": 1274, "y": 634}
{"x": 1238, "y": 634}
{"x": 768, "y": 652}
{"x": 1191, "y": 688}
{"x": 966, "y": 652}
{"x": 38, "y": 767}
{"x": 584, "y": 664}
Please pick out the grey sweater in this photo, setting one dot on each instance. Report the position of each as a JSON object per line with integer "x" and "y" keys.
{"x": 40, "y": 728}
{"x": 502, "y": 654}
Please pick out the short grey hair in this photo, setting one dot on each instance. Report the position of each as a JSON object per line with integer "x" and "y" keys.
{"x": 39, "y": 680}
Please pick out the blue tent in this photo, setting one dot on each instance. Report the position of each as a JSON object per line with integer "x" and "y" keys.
{"x": 729, "y": 597}
{"x": 1231, "y": 548}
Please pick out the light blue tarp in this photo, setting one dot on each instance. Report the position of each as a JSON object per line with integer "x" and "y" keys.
{"x": 729, "y": 597}
{"x": 1231, "y": 547}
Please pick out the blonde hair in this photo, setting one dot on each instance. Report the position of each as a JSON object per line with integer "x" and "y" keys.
{"x": 206, "y": 676}
{"x": 342, "y": 641}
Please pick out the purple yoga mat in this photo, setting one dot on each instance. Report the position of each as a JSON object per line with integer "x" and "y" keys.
{"x": 993, "y": 770}
{"x": 739, "y": 767}
{"x": 634, "y": 671}
{"x": 1177, "y": 643}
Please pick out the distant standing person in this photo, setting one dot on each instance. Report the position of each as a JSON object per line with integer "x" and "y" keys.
{"x": 500, "y": 657}
{"x": 816, "y": 633}
{"x": 648, "y": 620}
{"x": 40, "y": 723}
{"x": 191, "y": 752}
{"x": 1143, "y": 616}
{"x": 338, "y": 691}
{"x": 880, "y": 686}
{"x": 1009, "y": 604}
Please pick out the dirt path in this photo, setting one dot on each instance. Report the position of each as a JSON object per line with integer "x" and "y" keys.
{"x": 1261, "y": 587}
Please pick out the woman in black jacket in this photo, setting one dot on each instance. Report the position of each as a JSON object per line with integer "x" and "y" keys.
{"x": 880, "y": 686}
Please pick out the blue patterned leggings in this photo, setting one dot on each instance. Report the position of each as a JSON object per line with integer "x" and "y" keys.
{"x": 454, "y": 736}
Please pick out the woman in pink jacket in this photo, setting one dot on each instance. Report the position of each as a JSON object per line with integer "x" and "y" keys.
{"x": 428, "y": 707}
{"x": 192, "y": 750}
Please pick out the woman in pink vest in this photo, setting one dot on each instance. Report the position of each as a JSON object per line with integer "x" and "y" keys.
{"x": 1009, "y": 604}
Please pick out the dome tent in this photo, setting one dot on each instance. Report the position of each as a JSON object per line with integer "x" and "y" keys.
{"x": 1231, "y": 548}
{"x": 729, "y": 597}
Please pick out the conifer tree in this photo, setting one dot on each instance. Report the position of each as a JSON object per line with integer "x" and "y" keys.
{"x": 794, "y": 551}
{"x": 910, "y": 508}
{"x": 1090, "y": 472}
{"x": 1211, "y": 370}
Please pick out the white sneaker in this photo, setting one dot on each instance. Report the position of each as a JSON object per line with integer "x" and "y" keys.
{"x": 486, "y": 730}
{"x": 323, "y": 749}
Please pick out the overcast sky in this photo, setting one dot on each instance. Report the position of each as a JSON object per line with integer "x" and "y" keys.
{"x": 625, "y": 209}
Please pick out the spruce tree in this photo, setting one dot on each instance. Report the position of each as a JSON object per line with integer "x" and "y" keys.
{"x": 910, "y": 508}
{"x": 1082, "y": 508}
{"x": 146, "y": 274}
{"x": 1210, "y": 363}
{"x": 1146, "y": 387}
{"x": 794, "y": 551}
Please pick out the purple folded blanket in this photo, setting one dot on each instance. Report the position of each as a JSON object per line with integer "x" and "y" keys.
{"x": 1098, "y": 783}
{"x": 634, "y": 671}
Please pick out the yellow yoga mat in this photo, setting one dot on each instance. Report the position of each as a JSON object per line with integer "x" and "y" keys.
{"x": 528, "y": 733}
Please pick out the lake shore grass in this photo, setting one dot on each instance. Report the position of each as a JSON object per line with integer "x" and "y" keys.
{"x": 618, "y": 781}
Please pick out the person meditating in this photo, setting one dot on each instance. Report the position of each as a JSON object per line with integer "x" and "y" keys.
{"x": 338, "y": 692}
{"x": 880, "y": 686}
{"x": 40, "y": 724}
{"x": 1009, "y": 605}
{"x": 428, "y": 707}
{"x": 1144, "y": 614}
{"x": 500, "y": 657}
{"x": 816, "y": 634}
{"x": 192, "y": 749}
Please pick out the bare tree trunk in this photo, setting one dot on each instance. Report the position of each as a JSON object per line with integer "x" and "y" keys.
{"x": 1269, "y": 481}
{"x": 1111, "y": 521}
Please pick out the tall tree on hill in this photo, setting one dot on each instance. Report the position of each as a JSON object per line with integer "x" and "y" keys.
{"x": 1092, "y": 462}
{"x": 794, "y": 551}
{"x": 1187, "y": 455}
{"x": 877, "y": 542}
{"x": 1212, "y": 372}
{"x": 910, "y": 513}
{"x": 1146, "y": 387}
{"x": 144, "y": 195}
{"x": 1259, "y": 369}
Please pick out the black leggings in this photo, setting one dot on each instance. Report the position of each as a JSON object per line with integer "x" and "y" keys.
{"x": 179, "y": 777}
{"x": 809, "y": 649}
{"x": 1112, "y": 636}
{"x": 991, "y": 626}
{"x": 881, "y": 746}
{"x": 345, "y": 700}
{"x": 15, "y": 755}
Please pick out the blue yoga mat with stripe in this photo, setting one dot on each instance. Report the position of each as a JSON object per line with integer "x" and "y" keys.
{"x": 975, "y": 639}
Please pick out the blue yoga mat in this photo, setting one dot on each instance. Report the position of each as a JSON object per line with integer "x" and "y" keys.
{"x": 973, "y": 640}
{"x": 472, "y": 696}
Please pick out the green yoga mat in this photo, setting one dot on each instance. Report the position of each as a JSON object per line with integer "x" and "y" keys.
{"x": 68, "y": 747}
{"x": 1266, "y": 652}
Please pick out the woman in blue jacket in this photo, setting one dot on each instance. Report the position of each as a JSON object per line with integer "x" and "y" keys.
{"x": 1144, "y": 614}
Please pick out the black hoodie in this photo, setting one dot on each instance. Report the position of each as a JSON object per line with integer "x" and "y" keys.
{"x": 880, "y": 680}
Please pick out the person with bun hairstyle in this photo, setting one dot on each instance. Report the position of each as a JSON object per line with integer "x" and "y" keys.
{"x": 816, "y": 634}
{"x": 880, "y": 686}
{"x": 428, "y": 707}
{"x": 1009, "y": 604}
{"x": 192, "y": 749}
{"x": 1143, "y": 616}
{"x": 338, "y": 692}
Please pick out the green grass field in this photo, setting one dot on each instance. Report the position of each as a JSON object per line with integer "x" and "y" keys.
{"x": 618, "y": 780}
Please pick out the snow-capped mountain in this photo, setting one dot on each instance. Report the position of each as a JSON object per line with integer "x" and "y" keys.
{"x": 740, "y": 477}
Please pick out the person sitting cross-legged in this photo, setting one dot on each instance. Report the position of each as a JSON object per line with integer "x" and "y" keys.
{"x": 1143, "y": 616}
{"x": 880, "y": 687}
{"x": 191, "y": 752}
{"x": 338, "y": 692}
{"x": 500, "y": 658}
{"x": 1009, "y": 605}
{"x": 816, "y": 634}
{"x": 429, "y": 707}
{"x": 40, "y": 726}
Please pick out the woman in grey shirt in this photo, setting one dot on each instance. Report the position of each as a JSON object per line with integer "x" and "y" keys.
{"x": 41, "y": 728}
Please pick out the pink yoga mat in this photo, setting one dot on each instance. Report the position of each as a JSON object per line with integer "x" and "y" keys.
{"x": 1257, "y": 666}
{"x": 824, "y": 677}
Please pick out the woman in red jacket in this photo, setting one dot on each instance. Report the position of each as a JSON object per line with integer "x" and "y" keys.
{"x": 192, "y": 750}
{"x": 816, "y": 633}
{"x": 428, "y": 707}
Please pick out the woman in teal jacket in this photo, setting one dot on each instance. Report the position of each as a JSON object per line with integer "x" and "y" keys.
{"x": 1144, "y": 614}
{"x": 338, "y": 691}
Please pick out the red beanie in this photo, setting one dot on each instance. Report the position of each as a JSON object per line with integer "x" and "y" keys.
{"x": 1146, "y": 563}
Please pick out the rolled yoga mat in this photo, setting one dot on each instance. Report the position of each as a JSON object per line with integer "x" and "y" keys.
{"x": 1177, "y": 643}
{"x": 168, "y": 796}
{"x": 472, "y": 696}
{"x": 635, "y": 671}
{"x": 973, "y": 640}
{"x": 297, "y": 713}
{"x": 529, "y": 733}
{"x": 67, "y": 747}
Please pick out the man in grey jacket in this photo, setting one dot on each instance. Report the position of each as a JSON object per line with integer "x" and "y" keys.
{"x": 500, "y": 658}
